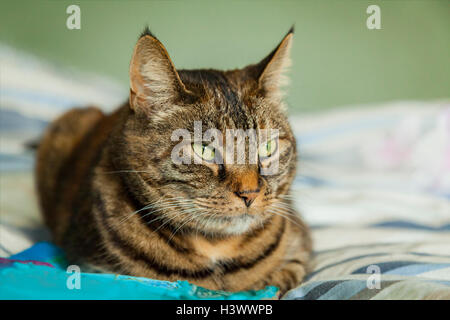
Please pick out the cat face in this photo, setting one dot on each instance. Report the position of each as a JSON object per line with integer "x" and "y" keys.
{"x": 213, "y": 192}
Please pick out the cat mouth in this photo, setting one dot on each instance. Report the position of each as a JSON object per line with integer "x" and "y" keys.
{"x": 242, "y": 215}
{"x": 238, "y": 224}
{"x": 237, "y": 213}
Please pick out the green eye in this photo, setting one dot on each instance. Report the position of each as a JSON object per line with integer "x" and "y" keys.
{"x": 267, "y": 149}
{"x": 203, "y": 151}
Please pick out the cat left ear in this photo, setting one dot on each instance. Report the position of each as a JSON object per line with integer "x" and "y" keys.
{"x": 270, "y": 72}
{"x": 154, "y": 81}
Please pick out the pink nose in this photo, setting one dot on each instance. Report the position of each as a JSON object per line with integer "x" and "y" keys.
{"x": 245, "y": 184}
{"x": 248, "y": 196}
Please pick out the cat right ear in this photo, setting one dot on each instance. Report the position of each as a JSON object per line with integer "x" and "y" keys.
{"x": 270, "y": 72}
{"x": 154, "y": 81}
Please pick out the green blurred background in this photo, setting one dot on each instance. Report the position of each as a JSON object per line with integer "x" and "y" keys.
{"x": 337, "y": 61}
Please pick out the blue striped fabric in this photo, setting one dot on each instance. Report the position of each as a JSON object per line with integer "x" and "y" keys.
{"x": 415, "y": 270}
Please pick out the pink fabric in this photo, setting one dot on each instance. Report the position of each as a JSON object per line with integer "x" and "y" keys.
{"x": 4, "y": 261}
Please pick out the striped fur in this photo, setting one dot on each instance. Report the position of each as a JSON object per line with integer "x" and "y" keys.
{"x": 116, "y": 202}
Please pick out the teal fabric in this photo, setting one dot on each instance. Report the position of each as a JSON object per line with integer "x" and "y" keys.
{"x": 28, "y": 280}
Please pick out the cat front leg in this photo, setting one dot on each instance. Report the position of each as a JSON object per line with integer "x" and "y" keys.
{"x": 287, "y": 277}
{"x": 296, "y": 261}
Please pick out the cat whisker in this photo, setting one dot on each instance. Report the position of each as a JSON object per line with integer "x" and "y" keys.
{"x": 161, "y": 206}
{"x": 188, "y": 214}
{"x": 168, "y": 206}
{"x": 194, "y": 216}
{"x": 173, "y": 206}
{"x": 287, "y": 211}
{"x": 282, "y": 212}
{"x": 283, "y": 216}
{"x": 287, "y": 206}
{"x": 183, "y": 211}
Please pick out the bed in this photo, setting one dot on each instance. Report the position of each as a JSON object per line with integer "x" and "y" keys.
{"x": 373, "y": 183}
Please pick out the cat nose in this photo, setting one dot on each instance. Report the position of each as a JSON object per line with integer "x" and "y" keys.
{"x": 248, "y": 196}
{"x": 246, "y": 184}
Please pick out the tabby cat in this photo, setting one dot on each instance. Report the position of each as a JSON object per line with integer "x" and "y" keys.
{"x": 115, "y": 200}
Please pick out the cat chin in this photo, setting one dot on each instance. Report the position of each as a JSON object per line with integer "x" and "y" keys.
{"x": 238, "y": 228}
{"x": 236, "y": 225}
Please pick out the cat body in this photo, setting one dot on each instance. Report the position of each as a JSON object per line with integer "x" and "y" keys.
{"x": 116, "y": 201}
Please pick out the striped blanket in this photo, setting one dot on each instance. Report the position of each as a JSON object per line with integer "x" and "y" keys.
{"x": 373, "y": 182}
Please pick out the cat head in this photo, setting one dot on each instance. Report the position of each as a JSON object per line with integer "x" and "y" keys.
{"x": 213, "y": 192}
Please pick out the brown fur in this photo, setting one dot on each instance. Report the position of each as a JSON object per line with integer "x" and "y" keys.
{"x": 116, "y": 202}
